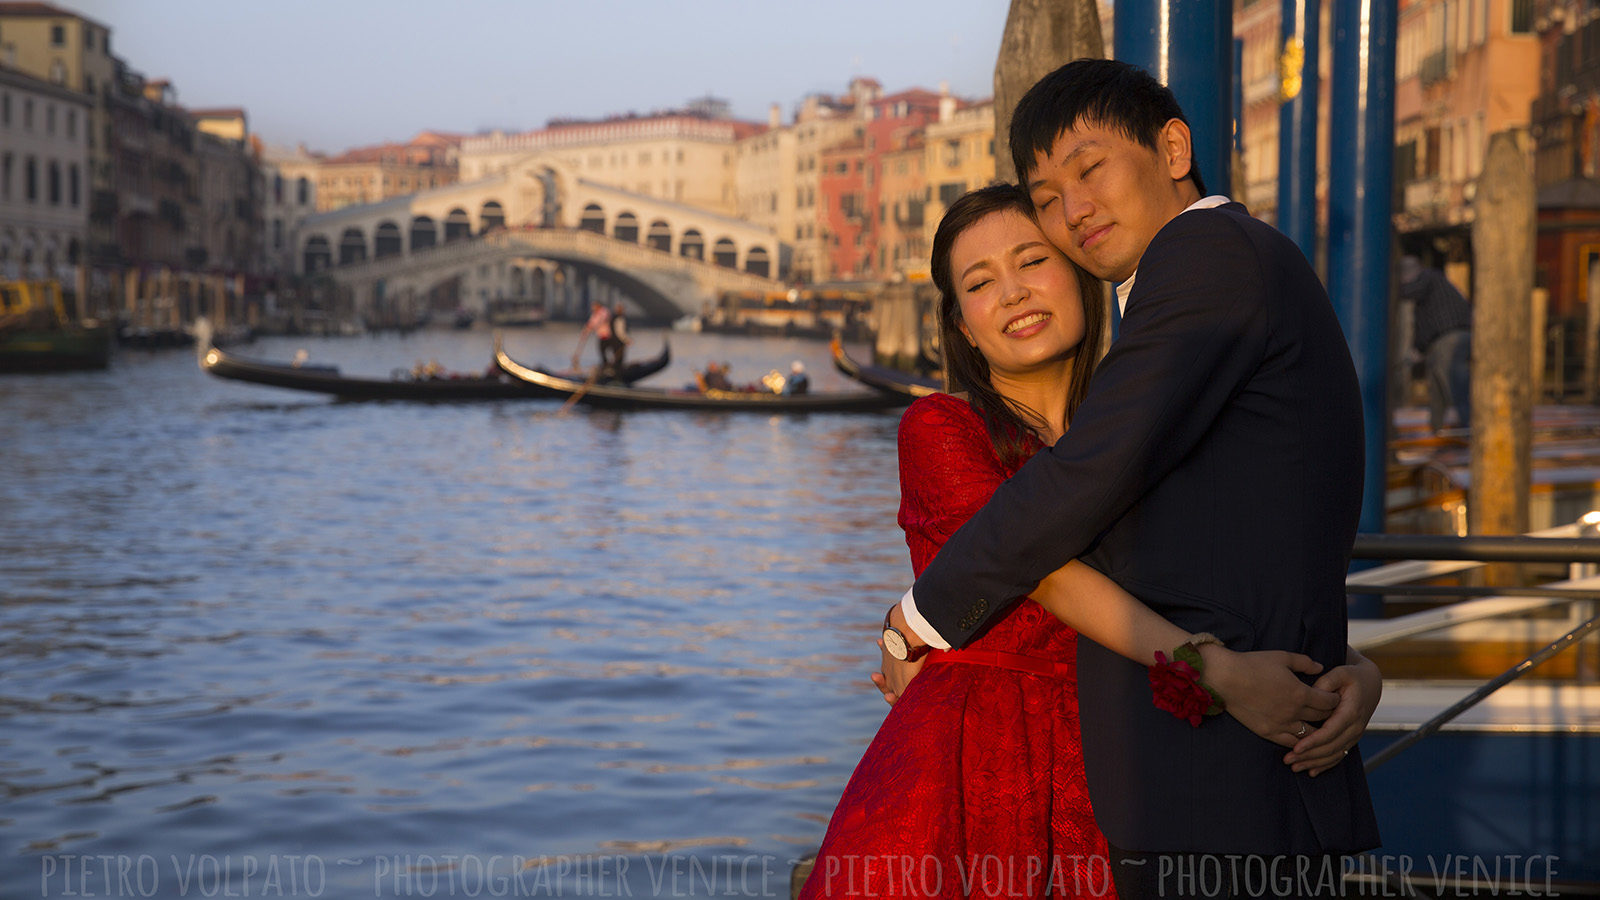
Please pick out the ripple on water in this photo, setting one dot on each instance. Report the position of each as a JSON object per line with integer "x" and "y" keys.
{"x": 240, "y": 621}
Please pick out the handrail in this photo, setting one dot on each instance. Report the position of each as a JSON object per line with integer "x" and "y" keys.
{"x": 1554, "y": 545}
{"x": 1481, "y": 548}
{"x": 1487, "y": 688}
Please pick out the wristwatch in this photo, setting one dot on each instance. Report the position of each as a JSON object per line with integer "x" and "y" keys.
{"x": 895, "y": 642}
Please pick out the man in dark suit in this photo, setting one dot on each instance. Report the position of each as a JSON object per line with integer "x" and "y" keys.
{"x": 1214, "y": 471}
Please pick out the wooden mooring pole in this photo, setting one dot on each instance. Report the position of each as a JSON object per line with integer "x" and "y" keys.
{"x": 1502, "y": 390}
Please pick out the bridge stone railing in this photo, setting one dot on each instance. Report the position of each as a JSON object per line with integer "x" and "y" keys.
{"x": 570, "y": 243}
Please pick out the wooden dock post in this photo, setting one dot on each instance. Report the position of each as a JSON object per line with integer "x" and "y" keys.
{"x": 1040, "y": 37}
{"x": 1502, "y": 409}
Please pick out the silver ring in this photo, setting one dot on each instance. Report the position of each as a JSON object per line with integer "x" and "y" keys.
{"x": 1302, "y": 732}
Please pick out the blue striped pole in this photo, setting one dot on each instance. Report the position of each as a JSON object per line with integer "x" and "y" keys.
{"x": 1297, "y": 124}
{"x": 1360, "y": 185}
{"x": 1188, "y": 46}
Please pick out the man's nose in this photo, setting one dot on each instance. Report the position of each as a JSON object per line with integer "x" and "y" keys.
{"x": 1076, "y": 209}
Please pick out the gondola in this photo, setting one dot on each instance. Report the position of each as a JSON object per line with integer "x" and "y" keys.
{"x": 881, "y": 378}
{"x": 404, "y": 385}
{"x": 612, "y": 396}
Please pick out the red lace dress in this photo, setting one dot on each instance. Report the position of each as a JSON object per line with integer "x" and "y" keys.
{"x": 974, "y": 785}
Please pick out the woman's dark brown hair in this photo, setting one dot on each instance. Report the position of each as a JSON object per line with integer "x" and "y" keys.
{"x": 1008, "y": 422}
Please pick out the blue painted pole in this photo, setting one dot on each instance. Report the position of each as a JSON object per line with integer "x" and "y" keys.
{"x": 1238, "y": 95}
{"x": 1360, "y": 185}
{"x": 1188, "y": 46}
{"x": 1297, "y": 124}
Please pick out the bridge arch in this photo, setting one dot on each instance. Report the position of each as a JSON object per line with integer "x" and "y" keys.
{"x": 423, "y": 233}
{"x": 659, "y": 236}
{"x": 692, "y": 245}
{"x": 757, "y": 262}
{"x": 626, "y": 227}
{"x": 594, "y": 219}
{"x": 725, "y": 253}
{"x": 457, "y": 225}
{"x": 492, "y": 216}
{"x": 352, "y": 246}
{"x": 318, "y": 254}
{"x": 386, "y": 241}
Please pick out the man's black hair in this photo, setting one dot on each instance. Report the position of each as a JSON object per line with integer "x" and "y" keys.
{"x": 1102, "y": 92}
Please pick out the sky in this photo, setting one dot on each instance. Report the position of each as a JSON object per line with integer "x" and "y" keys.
{"x": 334, "y": 74}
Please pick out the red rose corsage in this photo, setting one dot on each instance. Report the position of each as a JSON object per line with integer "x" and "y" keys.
{"x": 1177, "y": 688}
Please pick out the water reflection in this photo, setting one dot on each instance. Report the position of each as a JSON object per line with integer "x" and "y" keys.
{"x": 238, "y": 621}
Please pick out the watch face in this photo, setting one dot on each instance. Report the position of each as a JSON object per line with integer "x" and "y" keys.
{"x": 895, "y": 643}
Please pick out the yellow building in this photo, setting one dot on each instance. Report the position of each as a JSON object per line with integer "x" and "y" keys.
{"x": 65, "y": 49}
{"x": 777, "y": 172}
{"x": 959, "y": 151}
{"x": 1464, "y": 70}
{"x": 1447, "y": 104}
{"x": 764, "y": 180}
{"x": 370, "y": 174}
{"x": 902, "y": 203}
{"x": 229, "y": 124}
{"x": 685, "y": 156}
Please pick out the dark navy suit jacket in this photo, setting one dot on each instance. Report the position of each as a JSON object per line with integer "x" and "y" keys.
{"x": 1215, "y": 472}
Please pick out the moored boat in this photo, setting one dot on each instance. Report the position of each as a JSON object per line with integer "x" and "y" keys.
{"x": 37, "y": 335}
{"x": 403, "y": 385}
{"x": 613, "y": 396}
{"x": 881, "y": 378}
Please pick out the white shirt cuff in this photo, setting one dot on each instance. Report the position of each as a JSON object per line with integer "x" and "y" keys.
{"x": 908, "y": 606}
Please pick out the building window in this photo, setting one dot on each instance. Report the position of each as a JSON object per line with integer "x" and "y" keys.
{"x": 1521, "y": 16}
{"x": 50, "y": 118}
{"x": 75, "y": 184}
{"x": 58, "y": 35}
{"x": 88, "y": 83}
{"x": 27, "y": 114}
{"x": 58, "y": 72}
{"x": 55, "y": 184}
{"x": 30, "y": 178}
{"x": 5, "y": 177}
{"x": 72, "y": 123}
{"x": 5, "y": 109}
{"x": 88, "y": 38}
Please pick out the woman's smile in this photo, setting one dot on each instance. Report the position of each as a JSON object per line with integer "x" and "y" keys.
{"x": 1027, "y": 324}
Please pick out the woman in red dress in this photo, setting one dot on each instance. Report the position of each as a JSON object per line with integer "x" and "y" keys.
{"x": 974, "y": 784}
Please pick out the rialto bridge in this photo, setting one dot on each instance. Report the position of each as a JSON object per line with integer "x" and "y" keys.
{"x": 538, "y": 232}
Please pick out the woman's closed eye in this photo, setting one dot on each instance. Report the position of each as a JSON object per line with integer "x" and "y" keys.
{"x": 1030, "y": 263}
{"x": 977, "y": 286}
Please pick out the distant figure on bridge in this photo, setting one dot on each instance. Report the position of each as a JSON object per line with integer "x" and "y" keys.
{"x": 599, "y": 325}
{"x": 1442, "y": 337}
{"x": 614, "y": 349}
{"x": 798, "y": 381}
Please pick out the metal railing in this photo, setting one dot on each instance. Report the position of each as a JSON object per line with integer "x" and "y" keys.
{"x": 1553, "y": 546}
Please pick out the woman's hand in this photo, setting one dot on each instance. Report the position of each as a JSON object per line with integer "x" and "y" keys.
{"x": 1359, "y": 685}
{"x": 1263, "y": 693}
{"x": 894, "y": 674}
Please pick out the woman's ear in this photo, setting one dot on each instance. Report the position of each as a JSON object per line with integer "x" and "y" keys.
{"x": 965, "y": 332}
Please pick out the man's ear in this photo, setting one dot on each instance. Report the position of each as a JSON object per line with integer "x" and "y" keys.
{"x": 1177, "y": 149}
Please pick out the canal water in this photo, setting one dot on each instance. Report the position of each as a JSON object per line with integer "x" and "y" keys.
{"x": 263, "y": 643}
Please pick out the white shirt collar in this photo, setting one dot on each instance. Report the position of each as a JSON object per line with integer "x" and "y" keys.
{"x": 1126, "y": 287}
